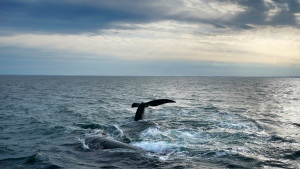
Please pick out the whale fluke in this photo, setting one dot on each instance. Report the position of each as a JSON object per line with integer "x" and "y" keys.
{"x": 135, "y": 105}
{"x": 141, "y": 107}
{"x": 159, "y": 102}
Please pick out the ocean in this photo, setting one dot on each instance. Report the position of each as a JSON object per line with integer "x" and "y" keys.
{"x": 216, "y": 122}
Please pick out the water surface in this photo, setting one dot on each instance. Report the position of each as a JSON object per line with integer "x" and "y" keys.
{"x": 231, "y": 122}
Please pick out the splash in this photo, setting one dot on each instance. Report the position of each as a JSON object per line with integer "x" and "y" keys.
{"x": 160, "y": 147}
{"x": 82, "y": 141}
{"x": 120, "y": 131}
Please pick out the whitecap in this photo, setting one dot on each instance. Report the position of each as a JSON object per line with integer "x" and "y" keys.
{"x": 159, "y": 147}
{"x": 120, "y": 131}
{"x": 84, "y": 146}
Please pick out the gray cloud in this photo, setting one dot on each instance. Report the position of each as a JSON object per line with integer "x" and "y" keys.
{"x": 71, "y": 17}
{"x": 257, "y": 12}
{"x": 65, "y": 16}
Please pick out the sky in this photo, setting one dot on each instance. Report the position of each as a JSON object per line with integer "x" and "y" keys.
{"x": 150, "y": 37}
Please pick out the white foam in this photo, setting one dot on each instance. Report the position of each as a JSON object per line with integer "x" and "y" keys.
{"x": 169, "y": 143}
{"x": 159, "y": 147}
{"x": 121, "y": 133}
{"x": 166, "y": 157}
{"x": 180, "y": 137}
{"x": 84, "y": 146}
{"x": 152, "y": 133}
{"x": 163, "y": 158}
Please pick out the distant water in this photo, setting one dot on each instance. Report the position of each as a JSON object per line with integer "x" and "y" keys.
{"x": 216, "y": 122}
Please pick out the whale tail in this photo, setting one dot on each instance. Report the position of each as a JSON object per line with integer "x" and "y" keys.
{"x": 141, "y": 107}
{"x": 135, "y": 105}
{"x": 154, "y": 103}
{"x": 159, "y": 102}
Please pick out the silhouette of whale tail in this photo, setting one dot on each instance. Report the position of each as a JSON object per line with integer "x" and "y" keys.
{"x": 141, "y": 107}
{"x": 154, "y": 102}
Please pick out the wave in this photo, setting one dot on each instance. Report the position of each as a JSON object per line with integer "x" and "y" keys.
{"x": 89, "y": 126}
{"x": 35, "y": 160}
{"x": 276, "y": 138}
{"x": 293, "y": 156}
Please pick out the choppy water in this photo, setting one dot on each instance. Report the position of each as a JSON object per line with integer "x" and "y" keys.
{"x": 216, "y": 122}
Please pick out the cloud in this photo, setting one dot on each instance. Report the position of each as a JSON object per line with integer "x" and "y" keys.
{"x": 269, "y": 12}
{"x": 172, "y": 41}
{"x": 43, "y": 62}
{"x": 130, "y": 33}
{"x": 64, "y": 16}
{"x": 78, "y": 16}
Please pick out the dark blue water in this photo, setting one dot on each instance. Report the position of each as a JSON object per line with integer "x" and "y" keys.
{"x": 216, "y": 122}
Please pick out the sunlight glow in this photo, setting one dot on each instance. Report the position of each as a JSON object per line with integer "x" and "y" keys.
{"x": 159, "y": 41}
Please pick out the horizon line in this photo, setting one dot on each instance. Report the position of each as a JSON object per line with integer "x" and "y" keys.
{"x": 147, "y": 75}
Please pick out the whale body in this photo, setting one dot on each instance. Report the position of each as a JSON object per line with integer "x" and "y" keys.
{"x": 141, "y": 107}
{"x": 106, "y": 143}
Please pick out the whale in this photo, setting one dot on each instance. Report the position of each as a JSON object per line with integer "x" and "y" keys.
{"x": 141, "y": 107}
{"x": 100, "y": 142}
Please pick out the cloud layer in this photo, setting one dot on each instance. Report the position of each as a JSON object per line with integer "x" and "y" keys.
{"x": 129, "y": 33}
{"x": 78, "y": 16}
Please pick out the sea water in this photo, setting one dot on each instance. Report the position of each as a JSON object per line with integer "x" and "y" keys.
{"x": 216, "y": 122}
